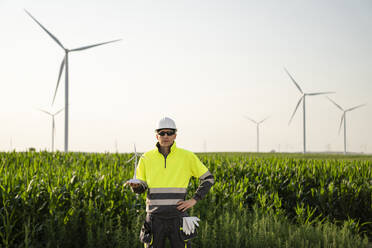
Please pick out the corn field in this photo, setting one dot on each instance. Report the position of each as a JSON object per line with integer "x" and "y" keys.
{"x": 78, "y": 200}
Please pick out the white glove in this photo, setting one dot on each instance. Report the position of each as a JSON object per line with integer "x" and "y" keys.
{"x": 185, "y": 226}
{"x": 189, "y": 224}
{"x": 195, "y": 220}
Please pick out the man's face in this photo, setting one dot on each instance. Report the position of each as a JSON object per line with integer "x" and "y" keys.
{"x": 166, "y": 140}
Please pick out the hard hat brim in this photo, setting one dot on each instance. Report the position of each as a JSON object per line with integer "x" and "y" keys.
{"x": 157, "y": 130}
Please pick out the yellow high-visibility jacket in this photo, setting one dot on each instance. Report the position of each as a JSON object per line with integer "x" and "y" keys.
{"x": 167, "y": 178}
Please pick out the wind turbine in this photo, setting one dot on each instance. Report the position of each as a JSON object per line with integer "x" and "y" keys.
{"x": 343, "y": 118}
{"x": 64, "y": 64}
{"x": 53, "y": 123}
{"x": 303, "y": 99}
{"x": 258, "y": 129}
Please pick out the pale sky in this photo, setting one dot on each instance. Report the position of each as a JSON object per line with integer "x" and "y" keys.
{"x": 203, "y": 63}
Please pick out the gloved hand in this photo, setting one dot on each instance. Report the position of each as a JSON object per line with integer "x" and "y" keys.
{"x": 189, "y": 224}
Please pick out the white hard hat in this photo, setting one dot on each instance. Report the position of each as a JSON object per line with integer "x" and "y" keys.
{"x": 166, "y": 123}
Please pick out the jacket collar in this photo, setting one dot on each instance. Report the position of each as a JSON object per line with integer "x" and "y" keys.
{"x": 172, "y": 148}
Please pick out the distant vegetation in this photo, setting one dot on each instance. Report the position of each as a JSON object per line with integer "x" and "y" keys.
{"x": 259, "y": 200}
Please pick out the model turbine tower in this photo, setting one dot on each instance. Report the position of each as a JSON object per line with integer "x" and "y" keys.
{"x": 64, "y": 64}
{"x": 343, "y": 118}
{"x": 303, "y": 100}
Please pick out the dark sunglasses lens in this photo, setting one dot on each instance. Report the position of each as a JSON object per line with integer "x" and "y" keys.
{"x": 169, "y": 133}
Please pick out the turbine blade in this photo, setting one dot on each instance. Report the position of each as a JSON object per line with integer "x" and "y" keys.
{"x": 294, "y": 81}
{"x": 350, "y": 109}
{"x": 255, "y": 122}
{"x": 59, "y": 111}
{"x": 342, "y": 120}
{"x": 50, "y": 34}
{"x": 294, "y": 112}
{"x": 90, "y": 46}
{"x": 264, "y": 120}
{"x": 53, "y": 123}
{"x": 46, "y": 112}
{"x": 59, "y": 77}
{"x": 338, "y": 106}
{"x": 320, "y": 93}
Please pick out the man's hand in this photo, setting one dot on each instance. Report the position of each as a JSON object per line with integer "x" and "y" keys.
{"x": 184, "y": 205}
{"x": 132, "y": 185}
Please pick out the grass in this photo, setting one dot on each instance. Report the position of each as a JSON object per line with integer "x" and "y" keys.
{"x": 259, "y": 200}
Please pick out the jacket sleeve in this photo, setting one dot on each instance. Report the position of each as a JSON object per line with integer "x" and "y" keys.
{"x": 141, "y": 175}
{"x": 205, "y": 177}
{"x": 206, "y": 183}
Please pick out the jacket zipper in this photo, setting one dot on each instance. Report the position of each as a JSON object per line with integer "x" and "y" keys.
{"x": 165, "y": 161}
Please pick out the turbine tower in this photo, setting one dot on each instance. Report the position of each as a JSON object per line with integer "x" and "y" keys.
{"x": 64, "y": 64}
{"x": 53, "y": 124}
{"x": 257, "y": 129}
{"x": 303, "y": 99}
{"x": 343, "y": 118}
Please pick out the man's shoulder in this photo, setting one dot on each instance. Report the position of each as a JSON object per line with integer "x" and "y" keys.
{"x": 185, "y": 152}
{"x": 150, "y": 153}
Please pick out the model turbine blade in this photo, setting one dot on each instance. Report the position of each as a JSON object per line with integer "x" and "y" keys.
{"x": 90, "y": 46}
{"x": 338, "y": 106}
{"x": 130, "y": 159}
{"x": 50, "y": 34}
{"x": 294, "y": 81}
{"x": 294, "y": 112}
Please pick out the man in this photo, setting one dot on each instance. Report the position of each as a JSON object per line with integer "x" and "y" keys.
{"x": 165, "y": 172}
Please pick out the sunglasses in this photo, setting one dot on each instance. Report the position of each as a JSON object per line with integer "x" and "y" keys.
{"x": 169, "y": 133}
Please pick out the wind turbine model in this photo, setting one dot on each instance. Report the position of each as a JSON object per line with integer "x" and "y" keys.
{"x": 53, "y": 124}
{"x": 303, "y": 98}
{"x": 343, "y": 118}
{"x": 65, "y": 64}
{"x": 258, "y": 129}
{"x": 134, "y": 179}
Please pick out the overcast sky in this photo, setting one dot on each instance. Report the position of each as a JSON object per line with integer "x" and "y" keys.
{"x": 204, "y": 63}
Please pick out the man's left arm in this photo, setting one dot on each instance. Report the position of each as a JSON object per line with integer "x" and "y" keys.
{"x": 206, "y": 182}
